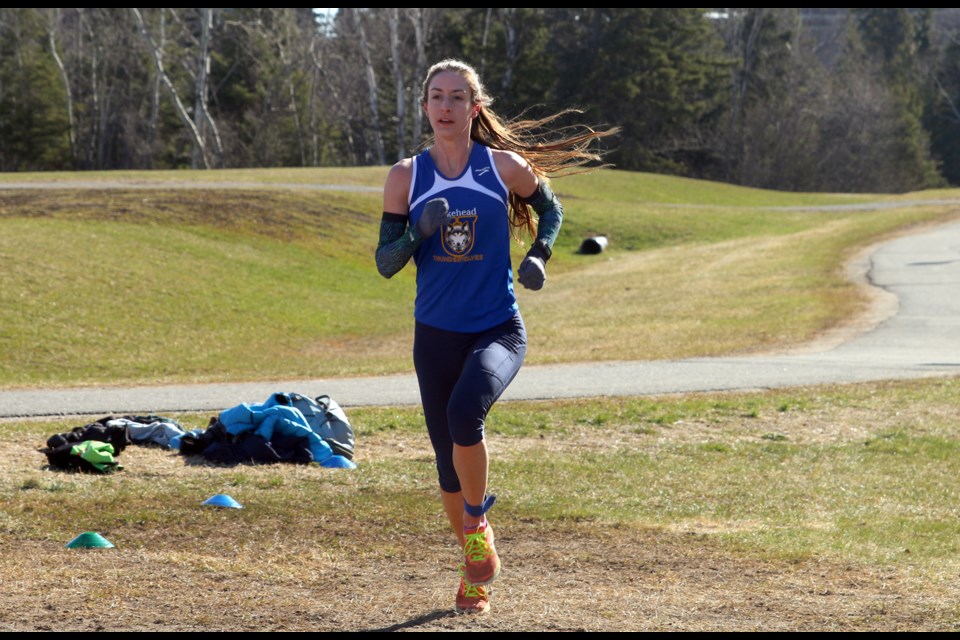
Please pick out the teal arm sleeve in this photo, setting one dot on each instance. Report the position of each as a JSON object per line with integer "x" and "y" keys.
{"x": 397, "y": 244}
{"x": 549, "y": 216}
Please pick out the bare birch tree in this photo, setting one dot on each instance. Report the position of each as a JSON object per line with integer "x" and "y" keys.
{"x": 53, "y": 24}
{"x": 188, "y": 124}
{"x": 483, "y": 40}
{"x": 94, "y": 119}
{"x": 393, "y": 20}
{"x": 508, "y": 17}
{"x": 422, "y": 20}
{"x": 155, "y": 93}
{"x": 202, "y": 119}
{"x": 371, "y": 77}
{"x": 748, "y": 27}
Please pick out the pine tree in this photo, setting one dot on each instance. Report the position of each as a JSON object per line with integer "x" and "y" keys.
{"x": 658, "y": 73}
{"x": 34, "y": 131}
{"x": 893, "y": 44}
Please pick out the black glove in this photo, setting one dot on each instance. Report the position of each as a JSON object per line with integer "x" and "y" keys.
{"x": 533, "y": 270}
{"x": 434, "y": 214}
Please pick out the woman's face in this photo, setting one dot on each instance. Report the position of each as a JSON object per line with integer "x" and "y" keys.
{"x": 449, "y": 105}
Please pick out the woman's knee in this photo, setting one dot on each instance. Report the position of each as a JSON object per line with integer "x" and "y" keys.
{"x": 466, "y": 421}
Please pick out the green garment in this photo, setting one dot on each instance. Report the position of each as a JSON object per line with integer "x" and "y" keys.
{"x": 99, "y": 454}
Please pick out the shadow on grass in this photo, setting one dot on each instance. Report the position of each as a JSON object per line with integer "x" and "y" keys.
{"x": 419, "y": 620}
{"x": 197, "y": 460}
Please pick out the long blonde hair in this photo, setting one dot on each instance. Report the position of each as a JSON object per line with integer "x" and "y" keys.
{"x": 550, "y": 153}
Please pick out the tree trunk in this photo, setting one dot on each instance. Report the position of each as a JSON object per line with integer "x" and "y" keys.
{"x": 155, "y": 94}
{"x": 312, "y": 113}
{"x": 512, "y": 48}
{"x": 103, "y": 126}
{"x": 421, "y": 30}
{"x": 94, "y": 143}
{"x": 202, "y": 119}
{"x": 371, "y": 85}
{"x": 483, "y": 41}
{"x": 393, "y": 18}
{"x": 314, "y": 87}
{"x": 54, "y": 21}
{"x": 331, "y": 87}
{"x": 82, "y": 92}
{"x": 199, "y": 89}
{"x": 947, "y": 99}
{"x": 181, "y": 111}
{"x": 741, "y": 82}
{"x": 296, "y": 121}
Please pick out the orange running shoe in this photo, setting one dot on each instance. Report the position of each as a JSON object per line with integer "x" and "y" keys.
{"x": 472, "y": 599}
{"x": 481, "y": 564}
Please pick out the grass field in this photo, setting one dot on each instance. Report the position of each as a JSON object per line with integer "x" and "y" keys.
{"x": 809, "y": 509}
{"x": 176, "y": 284}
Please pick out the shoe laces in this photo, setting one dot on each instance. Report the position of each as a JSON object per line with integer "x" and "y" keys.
{"x": 476, "y": 546}
{"x": 469, "y": 590}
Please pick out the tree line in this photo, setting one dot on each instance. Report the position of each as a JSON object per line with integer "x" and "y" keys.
{"x": 791, "y": 99}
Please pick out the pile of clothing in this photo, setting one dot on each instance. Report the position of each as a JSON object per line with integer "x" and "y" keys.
{"x": 94, "y": 447}
{"x": 287, "y": 427}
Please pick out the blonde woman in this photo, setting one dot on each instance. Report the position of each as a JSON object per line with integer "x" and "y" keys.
{"x": 454, "y": 208}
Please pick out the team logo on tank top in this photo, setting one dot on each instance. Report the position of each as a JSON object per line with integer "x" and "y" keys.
{"x": 459, "y": 233}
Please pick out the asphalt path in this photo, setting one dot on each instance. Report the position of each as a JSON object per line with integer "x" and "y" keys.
{"x": 914, "y": 332}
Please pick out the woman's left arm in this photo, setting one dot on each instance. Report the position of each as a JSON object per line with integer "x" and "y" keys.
{"x": 520, "y": 179}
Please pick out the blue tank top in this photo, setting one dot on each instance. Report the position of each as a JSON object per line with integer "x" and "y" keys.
{"x": 464, "y": 275}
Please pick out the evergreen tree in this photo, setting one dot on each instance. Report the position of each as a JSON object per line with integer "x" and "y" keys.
{"x": 658, "y": 73}
{"x": 33, "y": 114}
{"x": 942, "y": 119}
{"x": 760, "y": 107}
{"x": 892, "y": 46}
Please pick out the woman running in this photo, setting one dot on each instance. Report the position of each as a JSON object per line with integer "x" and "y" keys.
{"x": 454, "y": 208}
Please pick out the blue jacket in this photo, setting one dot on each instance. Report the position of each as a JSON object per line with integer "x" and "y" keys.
{"x": 268, "y": 418}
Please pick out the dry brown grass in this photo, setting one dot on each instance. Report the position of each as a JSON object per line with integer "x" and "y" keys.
{"x": 577, "y": 578}
{"x": 261, "y": 569}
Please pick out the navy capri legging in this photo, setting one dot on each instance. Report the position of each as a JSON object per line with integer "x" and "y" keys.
{"x": 461, "y": 375}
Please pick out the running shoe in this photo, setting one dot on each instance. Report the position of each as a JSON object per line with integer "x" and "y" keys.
{"x": 482, "y": 566}
{"x": 472, "y": 599}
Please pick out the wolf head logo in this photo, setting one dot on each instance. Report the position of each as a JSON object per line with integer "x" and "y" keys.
{"x": 458, "y": 235}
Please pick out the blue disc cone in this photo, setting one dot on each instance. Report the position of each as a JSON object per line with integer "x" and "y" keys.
{"x": 223, "y": 500}
{"x": 338, "y": 462}
{"x": 90, "y": 540}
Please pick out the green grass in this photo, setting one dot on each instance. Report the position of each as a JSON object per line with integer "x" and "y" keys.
{"x": 648, "y": 188}
{"x": 863, "y": 472}
{"x": 860, "y": 473}
{"x": 189, "y": 286}
{"x": 843, "y": 499}
{"x": 363, "y": 176}
{"x": 149, "y": 293}
{"x": 105, "y": 286}
{"x": 165, "y": 285}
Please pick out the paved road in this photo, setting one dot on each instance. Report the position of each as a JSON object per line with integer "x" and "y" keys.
{"x": 919, "y": 337}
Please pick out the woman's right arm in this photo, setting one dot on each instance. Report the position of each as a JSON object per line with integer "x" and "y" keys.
{"x": 398, "y": 241}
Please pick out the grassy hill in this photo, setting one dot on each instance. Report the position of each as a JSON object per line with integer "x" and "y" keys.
{"x": 147, "y": 277}
{"x": 801, "y": 509}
